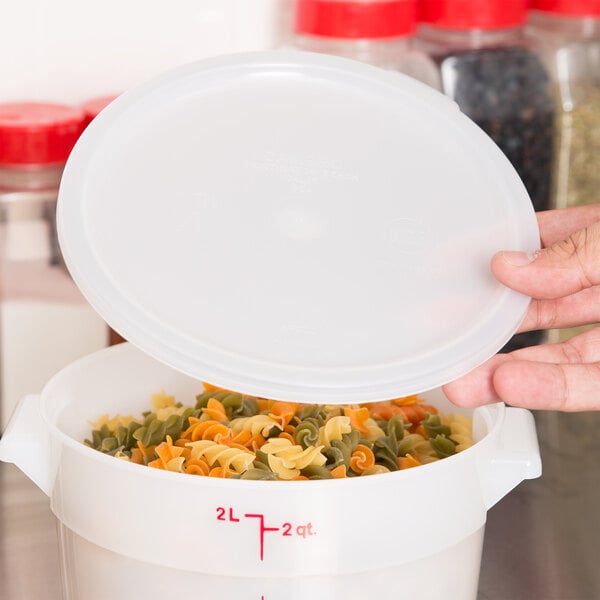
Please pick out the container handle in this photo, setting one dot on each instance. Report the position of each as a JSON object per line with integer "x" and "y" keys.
{"x": 26, "y": 443}
{"x": 513, "y": 458}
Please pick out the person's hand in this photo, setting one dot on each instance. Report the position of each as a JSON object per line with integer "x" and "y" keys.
{"x": 564, "y": 281}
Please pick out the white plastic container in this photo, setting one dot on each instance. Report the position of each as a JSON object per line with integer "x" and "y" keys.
{"x": 268, "y": 223}
{"x": 132, "y": 531}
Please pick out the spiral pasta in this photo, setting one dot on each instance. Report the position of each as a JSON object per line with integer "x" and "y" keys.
{"x": 258, "y": 424}
{"x": 232, "y": 435}
{"x": 237, "y": 459}
{"x": 333, "y": 429}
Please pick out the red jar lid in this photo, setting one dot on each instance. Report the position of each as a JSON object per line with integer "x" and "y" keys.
{"x": 473, "y": 14}
{"x": 92, "y": 107}
{"x": 358, "y": 19}
{"x": 38, "y": 133}
{"x": 569, "y": 8}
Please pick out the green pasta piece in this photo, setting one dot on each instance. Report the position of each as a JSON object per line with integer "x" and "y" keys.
{"x": 317, "y": 472}
{"x": 443, "y": 446}
{"x": 337, "y": 456}
{"x": 152, "y": 434}
{"x": 395, "y": 427}
{"x": 382, "y": 424}
{"x": 315, "y": 411}
{"x": 202, "y": 399}
{"x": 352, "y": 439}
{"x": 433, "y": 426}
{"x": 149, "y": 418}
{"x": 273, "y": 432}
{"x": 261, "y": 458}
{"x": 247, "y": 408}
{"x": 385, "y": 450}
{"x": 232, "y": 401}
{"x": 259, "y": 474}
{"x": 109, "y": 444}
{"x": 408, "y": 443}
{"x": 307, "y": 432}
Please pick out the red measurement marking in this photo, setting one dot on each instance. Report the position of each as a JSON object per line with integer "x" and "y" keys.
{"x": 231, "y": 517}
{"x": 262, "y": 531}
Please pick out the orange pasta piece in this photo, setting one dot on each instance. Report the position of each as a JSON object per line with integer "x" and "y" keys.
{"x": 362, "y": 459}
{"x": 209, "y": 387}
{"x": 386, "y": 412}
{"x": 264, "y": 405}
{"x": 284, "y": 408}
{"x": 256, "y": 442}
{"x": 240, "y": 438}
{"x": 215, "y": 410}
{"x": 417, "y": 412}
{"x": 205, "y": 430}
{"x": 166, "y": 452}
{"x": 421, "y": 431}
{"x": 288, "y": 436}
{"x": 197, "y": 467}
{"x": 219, "y": 472}
{"x": 147, "y": 451}
{"x": 339, "y": 472}
{"x": 137, "y": 457}
{"x": 358, "y": 416}
{"x": 406, "y": 401}
{"x": 408, "y": 462}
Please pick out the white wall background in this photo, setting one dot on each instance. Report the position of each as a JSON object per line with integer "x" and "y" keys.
{"x": 73, "y": 50}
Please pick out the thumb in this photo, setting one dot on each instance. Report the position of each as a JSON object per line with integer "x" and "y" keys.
{"x": 559, "y": 270}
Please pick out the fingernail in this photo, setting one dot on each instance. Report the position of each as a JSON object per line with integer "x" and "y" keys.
{"x": 519, "y": 259}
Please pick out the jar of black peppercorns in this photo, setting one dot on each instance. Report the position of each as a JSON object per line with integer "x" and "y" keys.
{"x": 496, "y": 76}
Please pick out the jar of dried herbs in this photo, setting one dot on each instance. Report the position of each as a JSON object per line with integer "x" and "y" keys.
{"x": 569, "y": 33}
{"x": 497, "y": 77}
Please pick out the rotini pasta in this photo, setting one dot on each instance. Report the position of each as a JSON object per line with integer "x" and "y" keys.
{"x": 231, "y": 435}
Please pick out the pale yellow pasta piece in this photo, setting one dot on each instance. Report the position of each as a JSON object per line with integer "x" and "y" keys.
{"x": 461, "y": 431}
{"x": 287, "y": 459}
{"x": 375, "y": 470}
{"x": 114, "y": 422}
{"x": 374, "y": 432}
{"x": 225, "y": 456}
{"x": 164, "y": 413}
{"x": 176, "y": 464}
{"x": 162, "y": 400}
{"x": 333, "y": 429}
{"x": 258, "y": 424}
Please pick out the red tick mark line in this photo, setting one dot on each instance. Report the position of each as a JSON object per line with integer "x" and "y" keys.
{"x": 262, "y": 532}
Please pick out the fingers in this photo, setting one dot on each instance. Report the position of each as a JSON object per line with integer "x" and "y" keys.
{"x": 553, "y": 376}
{"x": 564, "y": 268}
{"x": 548, "y": 386}
{"x": 582, "y": 308}
{"x": 557, "y": 225}
{"x": 477, "y": 387}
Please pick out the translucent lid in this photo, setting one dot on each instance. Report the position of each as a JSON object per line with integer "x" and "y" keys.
{"x": 296, "y": 226}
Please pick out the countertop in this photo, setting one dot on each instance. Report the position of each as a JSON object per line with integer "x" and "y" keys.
{"x": 542, "y": 540}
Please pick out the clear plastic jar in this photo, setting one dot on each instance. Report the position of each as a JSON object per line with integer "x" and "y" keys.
{"x": 44, "y": 320}
{"x": 497, "y": 77}
{"x": 568, "y": 31}
{"x": 569, "y": 34}
{"x": 378, "y": 32}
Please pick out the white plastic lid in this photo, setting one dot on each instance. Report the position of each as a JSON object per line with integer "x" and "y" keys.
{"x": 296, "y": 226}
